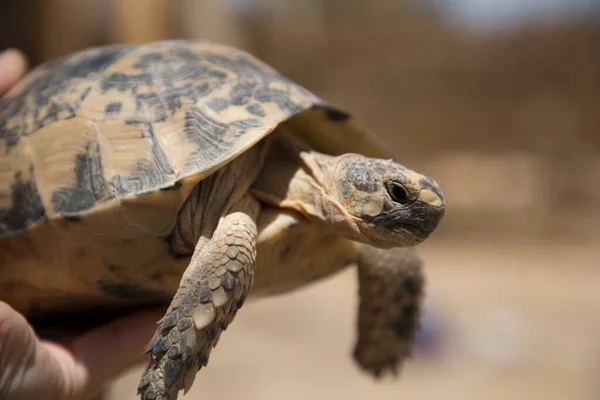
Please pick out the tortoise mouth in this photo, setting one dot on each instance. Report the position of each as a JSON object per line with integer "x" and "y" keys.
{"x": 418, "y": 220}
{"x": 412, "y": 229}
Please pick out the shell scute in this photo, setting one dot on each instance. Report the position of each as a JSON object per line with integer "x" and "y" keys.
{"x": 54, "y": 92}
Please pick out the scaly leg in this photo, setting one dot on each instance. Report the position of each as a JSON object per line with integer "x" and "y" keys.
{"x": 391, "y": 290}
{"x": 213, "y": 288}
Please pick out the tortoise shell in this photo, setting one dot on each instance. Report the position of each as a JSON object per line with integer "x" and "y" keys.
{"x": 116, "y": 122}
{"x": 99, "y": 150}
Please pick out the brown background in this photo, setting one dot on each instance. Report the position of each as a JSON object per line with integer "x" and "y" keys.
{"x": 507, "y": 122}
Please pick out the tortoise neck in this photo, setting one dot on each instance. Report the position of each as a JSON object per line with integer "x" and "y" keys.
{"x": 294, "y": 176}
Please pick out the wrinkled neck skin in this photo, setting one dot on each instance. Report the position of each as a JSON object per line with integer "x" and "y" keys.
{"x": 294, "y": 176}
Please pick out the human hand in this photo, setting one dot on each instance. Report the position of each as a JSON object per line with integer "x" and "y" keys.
{"x": 78, "y": 368}
{"x": 74, "y": 368}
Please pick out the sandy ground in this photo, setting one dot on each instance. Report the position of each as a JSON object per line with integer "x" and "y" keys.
{"x": 510, "y": 321}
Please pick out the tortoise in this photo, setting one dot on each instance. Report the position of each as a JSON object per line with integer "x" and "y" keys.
{"x": 185, "y": 173}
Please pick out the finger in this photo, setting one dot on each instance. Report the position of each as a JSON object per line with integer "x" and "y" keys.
{"x": 105, "y": 352}
{"x": 13, "y": 65}
{"x": 27, "y": 370}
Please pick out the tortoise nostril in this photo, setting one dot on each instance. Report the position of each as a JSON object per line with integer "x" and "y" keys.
{"x": 398, "y": 193}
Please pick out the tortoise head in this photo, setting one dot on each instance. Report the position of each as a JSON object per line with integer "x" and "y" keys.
{"x": 384, "y": 203}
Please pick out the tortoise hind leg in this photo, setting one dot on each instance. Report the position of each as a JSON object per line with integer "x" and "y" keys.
{"x": 391, "y": 291}
{"x": 213, "y": 288}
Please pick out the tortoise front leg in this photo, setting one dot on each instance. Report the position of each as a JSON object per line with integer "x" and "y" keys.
{"x": 391, "y": 291}
{"x": 213, "y": 288}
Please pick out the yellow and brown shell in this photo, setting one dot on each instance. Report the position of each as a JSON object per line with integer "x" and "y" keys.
{"x": 114, "y": 122}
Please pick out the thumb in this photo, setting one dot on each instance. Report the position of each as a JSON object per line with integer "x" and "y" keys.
{"x": 13, "y": 65}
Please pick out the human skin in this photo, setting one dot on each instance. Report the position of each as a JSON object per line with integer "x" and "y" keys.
{"x": 72, "y": 367}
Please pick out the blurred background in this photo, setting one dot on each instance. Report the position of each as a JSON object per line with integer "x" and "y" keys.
{"x": 497, "y": 100}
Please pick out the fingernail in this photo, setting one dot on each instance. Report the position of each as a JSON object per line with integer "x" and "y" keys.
{"x": 7, "y": 51}
{"x": 5, "y": 56}
{"x": 13, "y": 62}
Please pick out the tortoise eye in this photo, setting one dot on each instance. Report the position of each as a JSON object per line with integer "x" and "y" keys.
{"x": 398, "y": 193}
